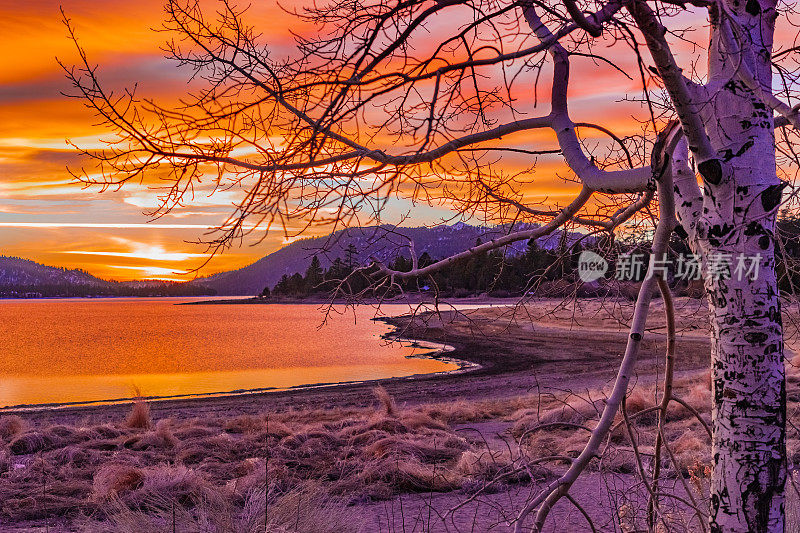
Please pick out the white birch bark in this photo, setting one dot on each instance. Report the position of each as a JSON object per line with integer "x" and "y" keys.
{"x": 737, "y": 218}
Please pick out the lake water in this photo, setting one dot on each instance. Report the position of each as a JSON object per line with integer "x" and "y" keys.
{"x": 79, "y": 350}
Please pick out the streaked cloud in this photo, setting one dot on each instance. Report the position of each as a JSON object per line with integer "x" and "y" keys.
{"x": 108, "y": 225}
{"x": 154, "y": 272}
{"x": 140, "y": 250}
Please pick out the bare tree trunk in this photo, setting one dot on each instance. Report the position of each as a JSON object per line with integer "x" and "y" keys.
{"x": 736, "y": 226}
{"x": 749, "y": 400}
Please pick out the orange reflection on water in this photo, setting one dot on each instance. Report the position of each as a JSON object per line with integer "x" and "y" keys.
{"x": 58, "y": 351}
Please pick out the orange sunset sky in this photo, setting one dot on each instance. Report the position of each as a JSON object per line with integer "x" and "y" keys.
{"x": 47, "y": 217}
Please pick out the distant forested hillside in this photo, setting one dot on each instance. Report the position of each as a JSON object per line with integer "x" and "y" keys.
{"x": 358, "y": 246}
{"x": 22, "y": 278}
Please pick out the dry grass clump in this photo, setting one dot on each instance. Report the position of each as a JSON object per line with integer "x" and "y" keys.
{"x": 75, "y": 455}
{"x": 160, "y": 438}
{"x": 617, "y": 460}
{"x": 699, "y": 397}
{"x": 639, "y": 399}
{"x": 691, "y": 450}
{"x": 458, "y": 412}
{"x": 446, "y": 449}
{"x": 276, "y": 429}
{"x": 312, "y": 438}
{"x": 244, "y": 424}
{"x": 386, "y": 400}
{"x": 137, "y": 487}
{"x": 572, "y": 411}
{"x": 563, "y": 442}
{"x": 10, "y": 426}
{"x": 221, "y": 447}
{"x": 417, "y": 420}
{"x": 490, "y": 466}
{"x": 310, "y": 509}
{"x": 193, "y": 429}
{"x": 109, "y": 431}
{"x": 409, "y": 474}
{"x": 688, "y": 442}
{"x": 34, "y": 441}
{"x": 185, "y": 486}
{"x": 139, "y": 416}
{"x": 114, "y": 478}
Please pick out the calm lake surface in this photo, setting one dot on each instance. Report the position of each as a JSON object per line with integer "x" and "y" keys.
{"x": 79, "y": 350}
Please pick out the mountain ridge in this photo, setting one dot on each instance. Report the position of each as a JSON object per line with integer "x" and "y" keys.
{"x": 372, "y": 242}
{"x": 25, "y": 278}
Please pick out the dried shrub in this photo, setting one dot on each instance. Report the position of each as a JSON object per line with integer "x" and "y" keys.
{"x": 389, "y": 407}
{"x": 115, "y": 478}
{"x": 10, "y": 426}
{"x": 572, "y": 411}
{"x": 34, "y": 441}
{"x": 139, "y": 416}
{"x": 308, "y": 509}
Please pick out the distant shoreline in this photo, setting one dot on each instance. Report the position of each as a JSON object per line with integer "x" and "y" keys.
{"x": 402, "y": 330}
{"x": 437, "y": 351}
{"x": 416, "y": 299}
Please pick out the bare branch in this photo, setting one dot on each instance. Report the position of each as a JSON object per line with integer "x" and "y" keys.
{"x": 678, "y": 88}
{"x": 564, "y": 216}
{"x": 592, "y": 28}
